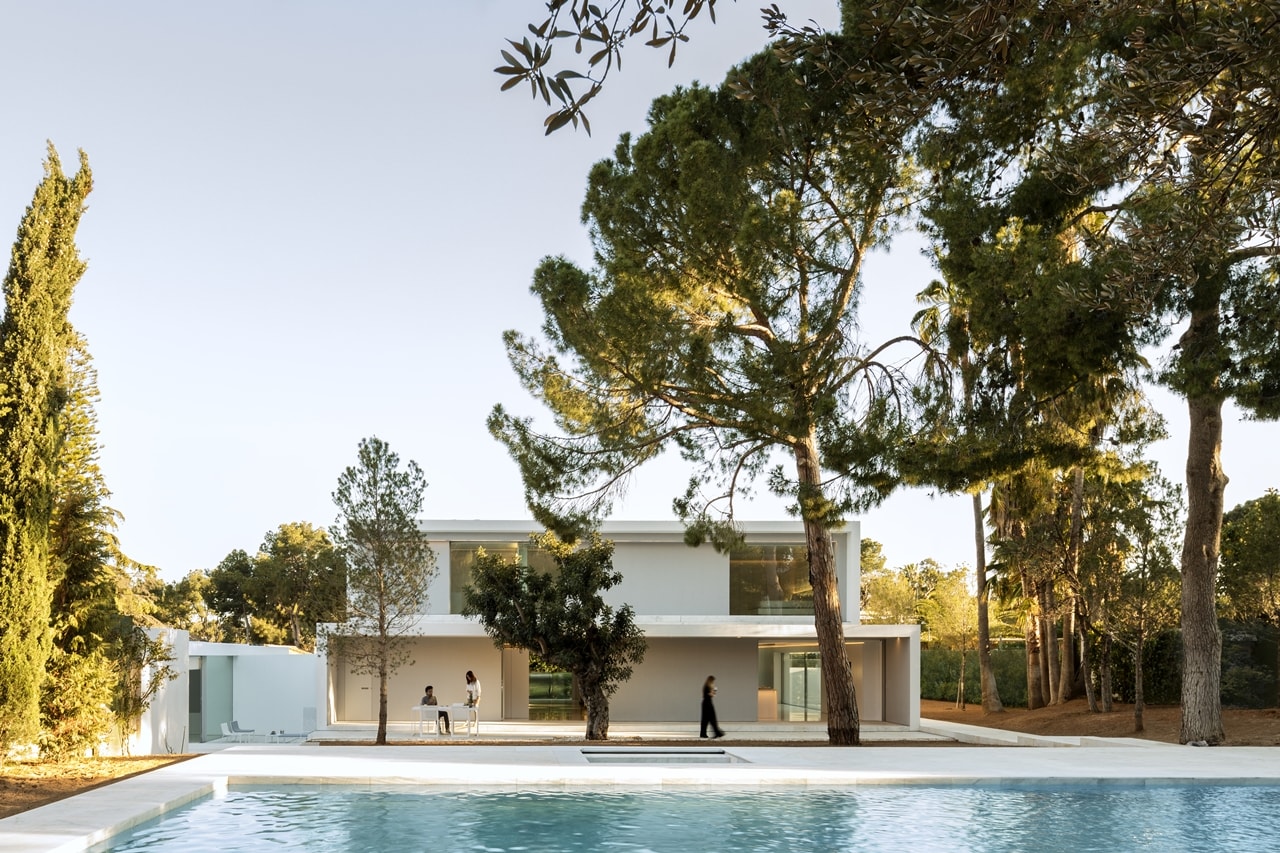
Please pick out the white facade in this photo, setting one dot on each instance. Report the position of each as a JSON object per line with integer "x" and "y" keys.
{"x": 703, "y": 613}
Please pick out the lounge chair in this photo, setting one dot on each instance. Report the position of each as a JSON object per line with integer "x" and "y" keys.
{"x": 228, "y": 734}
{"x": 245, "y": 734}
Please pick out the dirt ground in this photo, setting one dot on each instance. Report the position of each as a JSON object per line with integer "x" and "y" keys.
{"x": 26, "y": 785}
{"x": 1160, "y": 722}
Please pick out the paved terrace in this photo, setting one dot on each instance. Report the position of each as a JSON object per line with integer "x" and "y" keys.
{"x": 542, "y": 756}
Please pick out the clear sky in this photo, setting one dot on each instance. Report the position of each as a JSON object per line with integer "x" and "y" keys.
{"x": 312, "y": 221}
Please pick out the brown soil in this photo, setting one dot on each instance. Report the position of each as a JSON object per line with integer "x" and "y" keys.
{"x": 28, "y": 784}
{"x": 1160, "y": 722}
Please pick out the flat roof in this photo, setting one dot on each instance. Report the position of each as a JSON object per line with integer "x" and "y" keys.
{"x": 619, "y": 531}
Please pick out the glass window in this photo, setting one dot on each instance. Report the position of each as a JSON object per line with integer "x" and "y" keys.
{"x": 770, "y": 580}
{"x": 462, "y": 557}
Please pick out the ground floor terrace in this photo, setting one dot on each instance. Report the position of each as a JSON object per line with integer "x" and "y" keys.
{"x": 766, "y": 672}
{"x": 751, "y": 758}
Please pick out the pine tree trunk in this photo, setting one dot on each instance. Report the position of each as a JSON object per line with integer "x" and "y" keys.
{"x": 382, "y": 707}
{"x": 991, "y": 703}
{"x": 843, "y": 725}
{"x": 1201, "y": 639}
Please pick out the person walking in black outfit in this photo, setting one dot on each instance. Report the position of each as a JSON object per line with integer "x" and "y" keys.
{"x": 709, "y": 708}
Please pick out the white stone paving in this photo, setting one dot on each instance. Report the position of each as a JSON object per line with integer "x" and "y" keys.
{"x": 78, "y": 822}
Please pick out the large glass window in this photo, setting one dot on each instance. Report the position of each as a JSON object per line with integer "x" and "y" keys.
{"x": 770, "y": 580}
{"x": 462, "y": 557}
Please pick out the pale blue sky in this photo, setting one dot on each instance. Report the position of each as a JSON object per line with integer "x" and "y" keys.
{"x": 312, "y": 221}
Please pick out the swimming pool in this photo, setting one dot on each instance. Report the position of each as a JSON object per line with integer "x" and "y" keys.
{"x": 1112, "y": 818}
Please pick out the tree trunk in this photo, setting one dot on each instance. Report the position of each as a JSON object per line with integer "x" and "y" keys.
{"x": 1067, "y": 659}
{"x": 382, "y": 707}
{"x": 1201, "y": 639}
{"x": 1070, "y": 626}
{"x": 1087, "y": 666}
{"x": 960, "y": 688}
{"x": 597, "y": 710}
{"x": 1139, "y": 697}
{"x": 1035, "y": 684}
{"x": 843, "y": 725}
{"x": 1105, "y": 669}
{"x": 991, "y": 703}
{"x": 1049, "y": 643}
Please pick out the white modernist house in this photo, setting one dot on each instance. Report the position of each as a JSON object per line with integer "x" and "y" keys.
{"x": 745, "y": 617}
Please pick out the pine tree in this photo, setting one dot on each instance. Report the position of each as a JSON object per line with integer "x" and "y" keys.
{"x": 36, "y": 340}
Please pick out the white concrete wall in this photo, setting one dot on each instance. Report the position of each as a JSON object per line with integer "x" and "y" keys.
{"x": 667, "y": 686}
{"x": 273, "y": 692}
{"x": 867, "y": 660}
{"x": 439, "y": 661}
{"x": 162, "y": 728}
{"x": 902, "y": 684}
{"x": 670, "y": 579}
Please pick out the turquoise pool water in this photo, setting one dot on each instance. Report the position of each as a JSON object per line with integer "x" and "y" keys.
{"x": 1106, "y": 818}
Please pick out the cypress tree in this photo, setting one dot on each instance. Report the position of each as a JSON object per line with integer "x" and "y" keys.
{"x": 36, "y": 340}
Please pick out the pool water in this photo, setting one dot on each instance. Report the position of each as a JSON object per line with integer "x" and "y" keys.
{"x": 1107, "y": 818}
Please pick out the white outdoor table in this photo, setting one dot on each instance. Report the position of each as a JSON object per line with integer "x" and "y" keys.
{"x": 461, "y": 713}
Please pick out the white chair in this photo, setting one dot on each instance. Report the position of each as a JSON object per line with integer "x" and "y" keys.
{"x": 425, "y": 720}
{"x": 245, "y": 734}
{"x": 228, "y": 734}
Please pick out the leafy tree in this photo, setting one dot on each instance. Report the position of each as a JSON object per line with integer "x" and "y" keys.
{"x": 233, "y": 594}
{"x": 183, "y": 604}
{"x": 1189, "y": 109}
{"x": 602, "y": 29}
{"x": 951, "y": 614}
{"x": 721, "y": 318}
{"x": 890, "y": 599}
{"x": 36, "y": 341}
{"x": 389, "y": 564}
{"x": 1250, "y": 576}
{"x": 1146, "y": 595}
{"x": 99, "y": 596}
{"x": 561, "y": 618}
{"x": 301, "y": 578}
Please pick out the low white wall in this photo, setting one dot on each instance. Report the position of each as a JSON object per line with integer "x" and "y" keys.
{"x": 274, "y": 692}
{"x": 162, "y": 728}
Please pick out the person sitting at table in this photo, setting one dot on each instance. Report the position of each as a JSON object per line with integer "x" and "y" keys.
{"x": 442, "y": 717}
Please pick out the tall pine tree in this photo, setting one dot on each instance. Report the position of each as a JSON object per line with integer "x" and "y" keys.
{"x": 36, "y": 340}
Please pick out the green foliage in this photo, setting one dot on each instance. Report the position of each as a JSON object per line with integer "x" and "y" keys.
{"x": 598, "y": 33}
{"x": 36, "y": 341}
{"x": 389, "y": 564}
{"x": 1249, "y": 562}
{"x": 940, "y": 669}
{"x": 300, "y": 579}
{"x": 1161, "y": 668}
{"x": 141, "y": 665}
{"x": 561, "y": 617}
{"x": 76, "y": 703}
{"x": 183, "y": 604}
{"x": 231, "y": 594}
{"x": 1249, "y": 665}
